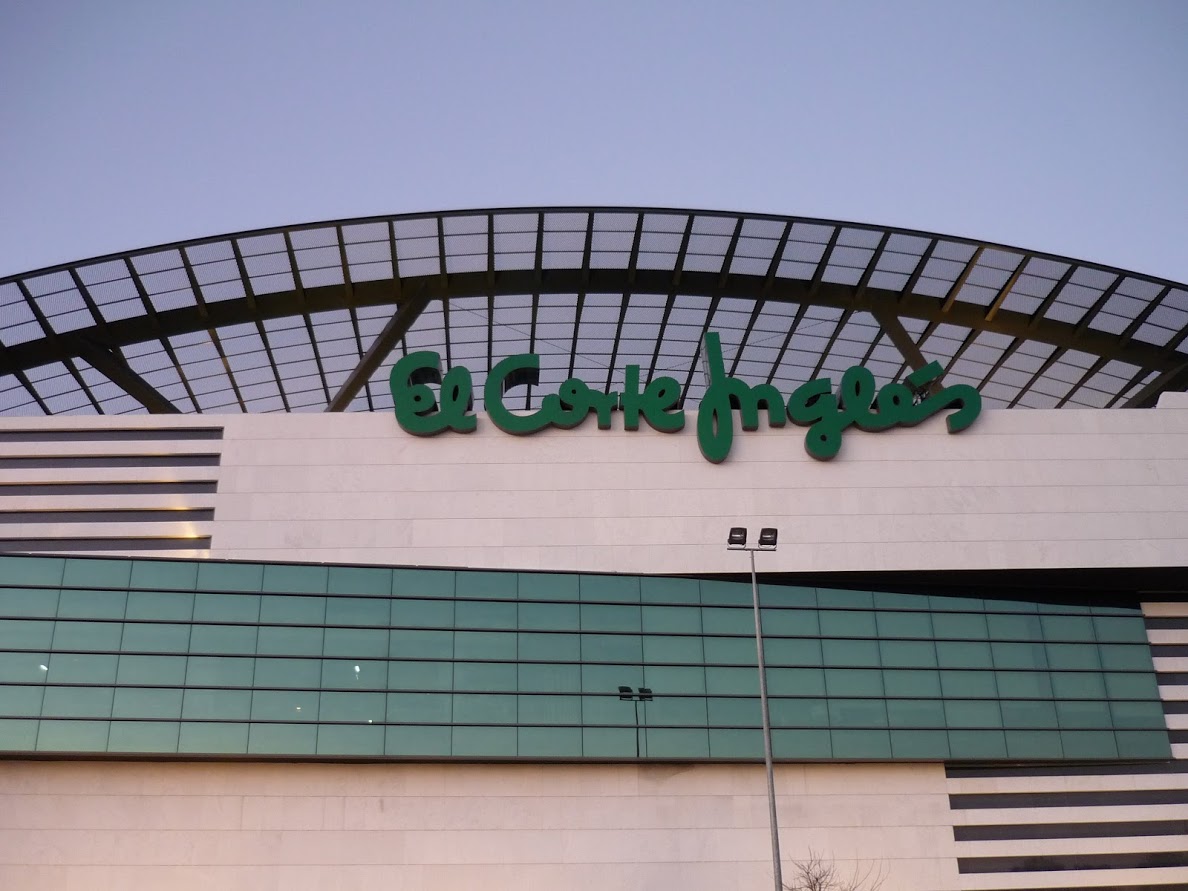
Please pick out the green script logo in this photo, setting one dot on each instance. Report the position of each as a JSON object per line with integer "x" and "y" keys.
{"x": 813, "y": 404}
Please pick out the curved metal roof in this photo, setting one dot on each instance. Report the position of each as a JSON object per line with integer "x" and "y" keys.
{"x": 306, "y": 318}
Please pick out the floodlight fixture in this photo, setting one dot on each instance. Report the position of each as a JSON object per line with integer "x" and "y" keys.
{"x": 635, "y": 697}
{"x": 737, "y": 541}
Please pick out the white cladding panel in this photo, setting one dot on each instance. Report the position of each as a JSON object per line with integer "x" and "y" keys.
{"x": 1019, "y": 489}
{"x": 578, "y": 827}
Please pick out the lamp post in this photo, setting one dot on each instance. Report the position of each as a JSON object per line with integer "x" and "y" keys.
{"x": 737, "y": 541}
{"x": 644, "y": 694}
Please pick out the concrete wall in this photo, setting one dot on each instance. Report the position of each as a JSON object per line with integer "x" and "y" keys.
{"x": 259, "y": 827}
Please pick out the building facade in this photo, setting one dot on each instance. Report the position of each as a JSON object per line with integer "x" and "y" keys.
{"x": 281, "y": 648}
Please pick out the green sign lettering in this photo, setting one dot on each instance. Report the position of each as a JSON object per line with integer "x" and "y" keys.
{"x": 715, "y": 418}
{"x": 814, "y": 404}
{"x": 566, "y": 408}
{"x": 655, "y": 403}
{"x": 510, "y": 373}
{"x": 416, "y": 408}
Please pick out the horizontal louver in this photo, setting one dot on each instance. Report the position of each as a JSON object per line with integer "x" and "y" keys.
{"x": 89, "y": 490}
{"x": 1089, "y": 826}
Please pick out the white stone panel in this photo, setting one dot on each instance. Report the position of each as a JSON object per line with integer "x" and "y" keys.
{"x": 1014, "y": 816}
{"x": 1069, "y": 783}
{"x": 1167, "y": 635}
{"x": 1032, "y": 847}
{"x": 1165, "y": 610}
{"x": 170, "y": 474}
{"x": 1020, "y": 489}
{"x": 175, "y": 825}
{"x": 1061, "y": 880}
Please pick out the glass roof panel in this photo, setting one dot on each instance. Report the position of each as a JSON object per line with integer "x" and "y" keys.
{"x": 808, "y": 342}
{"x": 665, "y": 222}
{"x": 369, "y": 252}
{"x": 231, "y": 270}
{"x": 900, "y": 262}
{"x": 753, "y": 256}
{"x": 615, "y": 222}
{"x": 322, "y": 236}
{"x": 18, "y": 324}
{"x": 943, "y": 343}
{"x": 855, "y": 338}
{"x": 706, "y": 253}
{"x": 365, "y": 232}
{"x": 470, "y": 224}
{"x": 960, "y": 251}
{"x": 426, "y": 332}
{"x": 885, "y": 360}
{"x": 111, "y": 397}
{"x": 15, "y": 398}
{"x": 851, "y": 236}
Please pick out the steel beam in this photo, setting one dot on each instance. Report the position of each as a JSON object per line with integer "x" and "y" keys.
{"x": 403, "y": 319}
{"x": 900, "y": 338}
{"x": 116, "y": 369}
{"x": 61, "y": 347}
{"x": 1174, "y": 379}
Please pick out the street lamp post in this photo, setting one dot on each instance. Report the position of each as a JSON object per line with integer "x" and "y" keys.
{"x": 644, "y": 694}
{"x": 767, "y": 542}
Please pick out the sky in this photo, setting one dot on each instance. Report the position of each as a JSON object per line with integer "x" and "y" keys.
{"x": 1053, "y": 125}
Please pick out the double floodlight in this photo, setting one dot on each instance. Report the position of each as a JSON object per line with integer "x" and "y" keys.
{"x": 629, "y": 693}
{"x": 737, "y": 539}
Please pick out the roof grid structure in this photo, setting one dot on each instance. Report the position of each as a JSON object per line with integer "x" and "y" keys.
{"x": 309, "y": 317}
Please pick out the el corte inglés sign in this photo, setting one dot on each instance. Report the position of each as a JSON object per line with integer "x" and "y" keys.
{"x": 815, "y": 405}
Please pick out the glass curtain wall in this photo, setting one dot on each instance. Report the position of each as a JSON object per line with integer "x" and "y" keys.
{"x": 255, "y": 660}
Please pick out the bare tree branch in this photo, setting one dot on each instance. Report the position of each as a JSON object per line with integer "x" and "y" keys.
{"x": 819, "y": 874}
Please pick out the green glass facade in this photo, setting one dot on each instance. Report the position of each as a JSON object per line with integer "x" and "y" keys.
{"x": 237, "y": 659}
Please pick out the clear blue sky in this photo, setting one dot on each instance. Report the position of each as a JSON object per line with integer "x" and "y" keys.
{"x": 1058, "y": 126}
